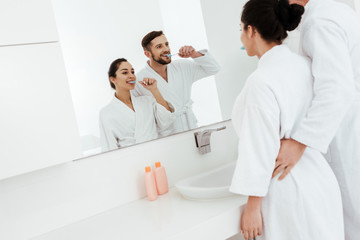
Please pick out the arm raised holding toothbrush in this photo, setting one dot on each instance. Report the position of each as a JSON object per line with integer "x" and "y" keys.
{"x": 151, "y": 85}
{"x": 129, "y": 119}
{"x": 189, "y": 51}
{"x": 175, "y": 77}
{"x": 186, "y": 52}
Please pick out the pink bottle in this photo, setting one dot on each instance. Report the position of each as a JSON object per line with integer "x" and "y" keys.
{"x": 161, "y": 179}
{"x": 150, "y": 184}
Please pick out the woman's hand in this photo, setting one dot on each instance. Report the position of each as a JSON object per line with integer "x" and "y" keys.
{"x": 251, "y": 221}
{"x": 150, "y": 84}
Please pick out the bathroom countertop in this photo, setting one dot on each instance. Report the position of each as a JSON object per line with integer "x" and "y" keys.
{"x": 169, "y": 217}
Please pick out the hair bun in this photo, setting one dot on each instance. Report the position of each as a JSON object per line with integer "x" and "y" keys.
{"x": 289, "y": 15}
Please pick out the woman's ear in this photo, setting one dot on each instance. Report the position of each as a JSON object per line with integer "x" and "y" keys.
{"x": 113, "y": 80}
{"x": 251, "y": 31}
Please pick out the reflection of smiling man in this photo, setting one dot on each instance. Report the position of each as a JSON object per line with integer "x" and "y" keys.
{"x": 175, "y": 78}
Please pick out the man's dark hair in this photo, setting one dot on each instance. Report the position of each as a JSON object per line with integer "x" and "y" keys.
{"x": 149, "y": 37}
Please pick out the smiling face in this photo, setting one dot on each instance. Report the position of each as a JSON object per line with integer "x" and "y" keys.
{"x": 124, "y": 75}
{"x": 158, "y": 49}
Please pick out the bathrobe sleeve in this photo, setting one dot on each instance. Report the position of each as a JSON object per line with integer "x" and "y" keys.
{"x": 256, "y": 120}
{"x": 205, "y": 66}
{"x": 163, "y": 117}
{"x": 107, "y": 139}
{"x": 334, "y": 85}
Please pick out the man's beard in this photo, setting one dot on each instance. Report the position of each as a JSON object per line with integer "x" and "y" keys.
{"x": 160, "y": 60}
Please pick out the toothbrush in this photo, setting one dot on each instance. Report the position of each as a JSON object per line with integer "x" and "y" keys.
{"x": 242, "y": 48}
{"x": 132, "y": 82}
{"x": 170, "y": 55}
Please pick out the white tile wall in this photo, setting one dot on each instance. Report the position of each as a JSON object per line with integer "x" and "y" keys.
{"x": 26, "y": 21}
{"x": 37, "y": 111}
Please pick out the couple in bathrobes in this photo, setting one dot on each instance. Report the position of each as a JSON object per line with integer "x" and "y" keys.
{"x": 175, "y": 78}
{"x": 127, "y": 119}
{"x": 122, "y": 124}
{"x": 310, "y": 100}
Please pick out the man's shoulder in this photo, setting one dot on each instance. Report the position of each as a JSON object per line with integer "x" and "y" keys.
{"x": 332, "y": 14}
{"x": 181, "y": 64}
{"x": 142, "y": 71}
{"x": 144, "y": 99}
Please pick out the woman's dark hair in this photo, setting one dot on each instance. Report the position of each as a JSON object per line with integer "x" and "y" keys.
{"x": 149, "y": 37}
{"x": 113, "y": 68}
{"x": 272, "y": 18}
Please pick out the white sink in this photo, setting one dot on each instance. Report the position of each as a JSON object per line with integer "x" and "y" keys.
{"x": 210, "y": 185}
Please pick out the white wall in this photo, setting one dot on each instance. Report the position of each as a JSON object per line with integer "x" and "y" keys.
{"x": 41, "y": 201}
{"x": 26, "y": 22}
{"x": 222, "y": 23}
{"x": 189, "y": 29}
{"x": 37, "y": 125}
{"x": 93, "y": 34}
{"x": 357, "y": 5}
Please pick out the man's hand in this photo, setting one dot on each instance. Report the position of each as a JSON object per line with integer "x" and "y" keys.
{"x": 189, "y": 51}
{"x": 289, "y": 154}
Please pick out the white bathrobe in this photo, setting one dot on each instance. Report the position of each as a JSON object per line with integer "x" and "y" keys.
{"x": 181, "y": 75}
{"x": 307, "y": 203}
{"x": 330, "y": 37}
{"x": 120, "y": 126}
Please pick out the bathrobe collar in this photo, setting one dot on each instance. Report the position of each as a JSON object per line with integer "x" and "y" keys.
{"x": 268, "y": 57}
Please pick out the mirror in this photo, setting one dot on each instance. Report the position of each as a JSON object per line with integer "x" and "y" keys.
{"x": 93, "y": 34}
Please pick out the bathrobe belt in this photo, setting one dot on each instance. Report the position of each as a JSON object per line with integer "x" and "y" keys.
{"x": 185, "y": 113}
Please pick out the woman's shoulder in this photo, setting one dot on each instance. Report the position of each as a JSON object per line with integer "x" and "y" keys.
{"x": 104, "y": 114}
{"x": 259, "y": 89}
{"x": 257, "y": 79}
{"x": 108, "y": 109}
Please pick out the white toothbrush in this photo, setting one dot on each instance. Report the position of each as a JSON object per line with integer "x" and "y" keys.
{"x": 170, "y": 55}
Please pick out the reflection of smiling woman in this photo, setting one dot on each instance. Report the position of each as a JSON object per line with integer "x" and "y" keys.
{"x": 127, "y": 120}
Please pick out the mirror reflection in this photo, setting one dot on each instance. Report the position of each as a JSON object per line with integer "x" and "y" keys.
{"x": 165, "y": 86}
{"x": 175, "y": 78}
{"x": 130, "y": 119}
{"x": 140, "y": 110}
